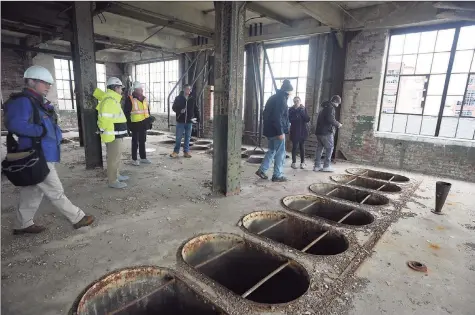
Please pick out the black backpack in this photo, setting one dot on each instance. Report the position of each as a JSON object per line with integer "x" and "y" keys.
{"x": 29, "y": 168}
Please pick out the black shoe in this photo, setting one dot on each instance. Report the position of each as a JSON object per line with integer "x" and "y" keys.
{"x": 279, "y": 179}
{"x": 261, "y": 174}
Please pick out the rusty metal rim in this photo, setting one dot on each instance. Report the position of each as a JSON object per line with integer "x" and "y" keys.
{"x": 171, "y": 272}
{"x": 348, "y": 170}
{"x": 417, "y": 266}
{"x": 388, "y": 201}
{"x": 75, "y": 306}
{"x": 327, "y": 229}
{"x": 209, "y": 281}
{"x": 330, "y": 222}
{"x": 365, "y": 188}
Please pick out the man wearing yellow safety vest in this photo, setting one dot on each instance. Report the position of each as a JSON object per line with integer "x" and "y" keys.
{"x": 139, "y": 120}
{"x": 112, "y": 128}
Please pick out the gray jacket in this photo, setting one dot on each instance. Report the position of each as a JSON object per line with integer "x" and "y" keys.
{"x": 326, "y": 121}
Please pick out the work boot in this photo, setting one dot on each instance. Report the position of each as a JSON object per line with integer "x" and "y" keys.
{"x": 135, "y": 163}
{"x": 122, "y": 178}
{"x": 328, "y": 169}
{"x": 317, "y": 168}
{"x": 145, "y": 161}
{"x": 261, "y": 174}
{"x": 32, "y": 229}
{"x": 294, "y": 166}
{"x": 303, "y": 166}
{"x": 187, "y": 155}
{"x": 118, "y": 185}
{"x": 85, "y": 221}
{"x": 279, "y": 179}
{"x": 174, "y": 155}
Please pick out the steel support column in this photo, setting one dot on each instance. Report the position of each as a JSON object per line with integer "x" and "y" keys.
{"x": 251, "y": 101}
{"x": 227, "y": 121}
{"x": 84, "y": 64}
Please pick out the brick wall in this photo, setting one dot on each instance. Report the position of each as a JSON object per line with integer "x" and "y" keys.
{"x": 13, "y": 67}
{"x": 359, "y": 114}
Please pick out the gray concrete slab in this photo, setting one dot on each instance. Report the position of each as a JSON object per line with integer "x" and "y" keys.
{"x": 170, "y": 201}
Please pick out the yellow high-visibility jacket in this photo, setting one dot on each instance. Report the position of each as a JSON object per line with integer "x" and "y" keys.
{"x": 110, "y": 117}
{"x": 139, "y": 110}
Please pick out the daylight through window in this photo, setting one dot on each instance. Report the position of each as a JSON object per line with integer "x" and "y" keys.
{"x": 429, "y": 86}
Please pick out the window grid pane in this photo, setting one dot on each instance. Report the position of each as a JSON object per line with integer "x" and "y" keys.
{"x": 415, "y": 77}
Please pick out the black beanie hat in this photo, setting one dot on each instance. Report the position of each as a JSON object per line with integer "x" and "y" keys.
{"x": 286, "y": 86}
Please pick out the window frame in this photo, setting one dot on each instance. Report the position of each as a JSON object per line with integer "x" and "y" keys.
{"x": 448, "y": 74}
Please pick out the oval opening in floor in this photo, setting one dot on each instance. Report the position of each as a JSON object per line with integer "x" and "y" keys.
{"x": 141, "y": 290}
{"x": 315, "y": 206}
{"x": 349, "y": 194}
{"x": 203, "y": 142}
{"x": 241, "y": 267}
{"x": 199, "y": 147}
{"x": 366, "y": 183}
{"x": 295, "y": 233}
{"x": 378, "y": 175}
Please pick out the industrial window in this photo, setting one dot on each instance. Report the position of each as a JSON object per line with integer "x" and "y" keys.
{"x": 287, "y": 62}
{"x": 101, "y": 76}
{"x": 429, "y": 85}
{"x": 158, "y": 79}
{"x": 64, "y": 82}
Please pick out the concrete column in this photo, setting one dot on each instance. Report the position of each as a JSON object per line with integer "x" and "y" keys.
{"x": 84, "y": 63}
{"x": 228, "y": 72}
{"x": 250, "y": 101}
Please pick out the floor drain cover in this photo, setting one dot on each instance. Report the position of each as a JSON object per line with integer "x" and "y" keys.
{"x": 378, "y": 175}
{"x": 141, "y": 290}
{"x": 295, "y": 233}
{"x": 315, "y": 206}
{"x": 198, "y": 147}
{"x": 417, "y": 266}
{"x": 246, "y": 269}
{"x": 367, "y": 183}
{"x": 349, "y": 194}
{"x": 203, "y": 142}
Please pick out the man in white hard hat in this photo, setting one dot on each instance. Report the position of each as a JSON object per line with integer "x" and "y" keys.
{"x": 113, "y": 128}
{"x": 137, "y": 112}
{"x": 19, "y": 113}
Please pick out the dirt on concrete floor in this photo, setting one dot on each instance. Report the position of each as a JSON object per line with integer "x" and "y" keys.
{"x": 165, "y": 204}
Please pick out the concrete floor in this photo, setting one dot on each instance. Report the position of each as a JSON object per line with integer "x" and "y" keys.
{"x": 170, "y": 201}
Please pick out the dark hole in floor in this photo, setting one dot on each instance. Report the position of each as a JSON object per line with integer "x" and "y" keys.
{"x": 244, "y": 266}
{"x": 203, "y": 142}
{"x": 136, "y": 295}
{"x": 327, "y": 209}
{"x": 296, "y": 233}
{"x": 366, "y": 183}
{"x": 198, "y": 147}
{"x": 350, "y": 194}
{"x": 378, "y": 175}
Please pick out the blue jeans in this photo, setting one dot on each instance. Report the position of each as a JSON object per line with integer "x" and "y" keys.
{"x": 180, "y": 129}
{"x": 324, "y": 142}
{"x": 275, "y": 153}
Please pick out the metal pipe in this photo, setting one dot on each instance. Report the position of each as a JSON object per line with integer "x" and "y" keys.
{"x": 261, "y": 103}
{"x": 270, "y": 68}
{"x": 178, "y": 82}
{"x": 332, "y": 191}
{"x": 125, "y": 307}
{"x": 273, "y": 273}
{"x": 218, "y": 256}
{"x": 253, "y": 60}
{"x": 272, "y": 226}
{"x": 347, "y": 215}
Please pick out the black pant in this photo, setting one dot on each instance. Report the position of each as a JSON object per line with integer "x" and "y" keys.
{"x": 301, "y": 145}
{"x": 138, "y": 140}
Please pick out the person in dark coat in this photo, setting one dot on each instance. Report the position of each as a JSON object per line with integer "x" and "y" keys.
{"x": 187, "y": 114}
{"x": 325, "y": 132}
{"x": 276, "y": 125}
{"x": 298, "y": 118}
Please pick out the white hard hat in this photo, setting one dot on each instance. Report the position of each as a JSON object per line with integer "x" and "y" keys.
{"x": 137, "y": 85}
{"x": 38, "y": 73}
{"x": 114, "y": 81}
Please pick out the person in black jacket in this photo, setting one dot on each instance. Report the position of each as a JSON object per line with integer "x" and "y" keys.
{"x": 326, "y": 124}
{"x": 298, "y": 131}
{"x": 276, "y": 125}
{"x": 137, "y": 112}
{"x": 187, "y": 113}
